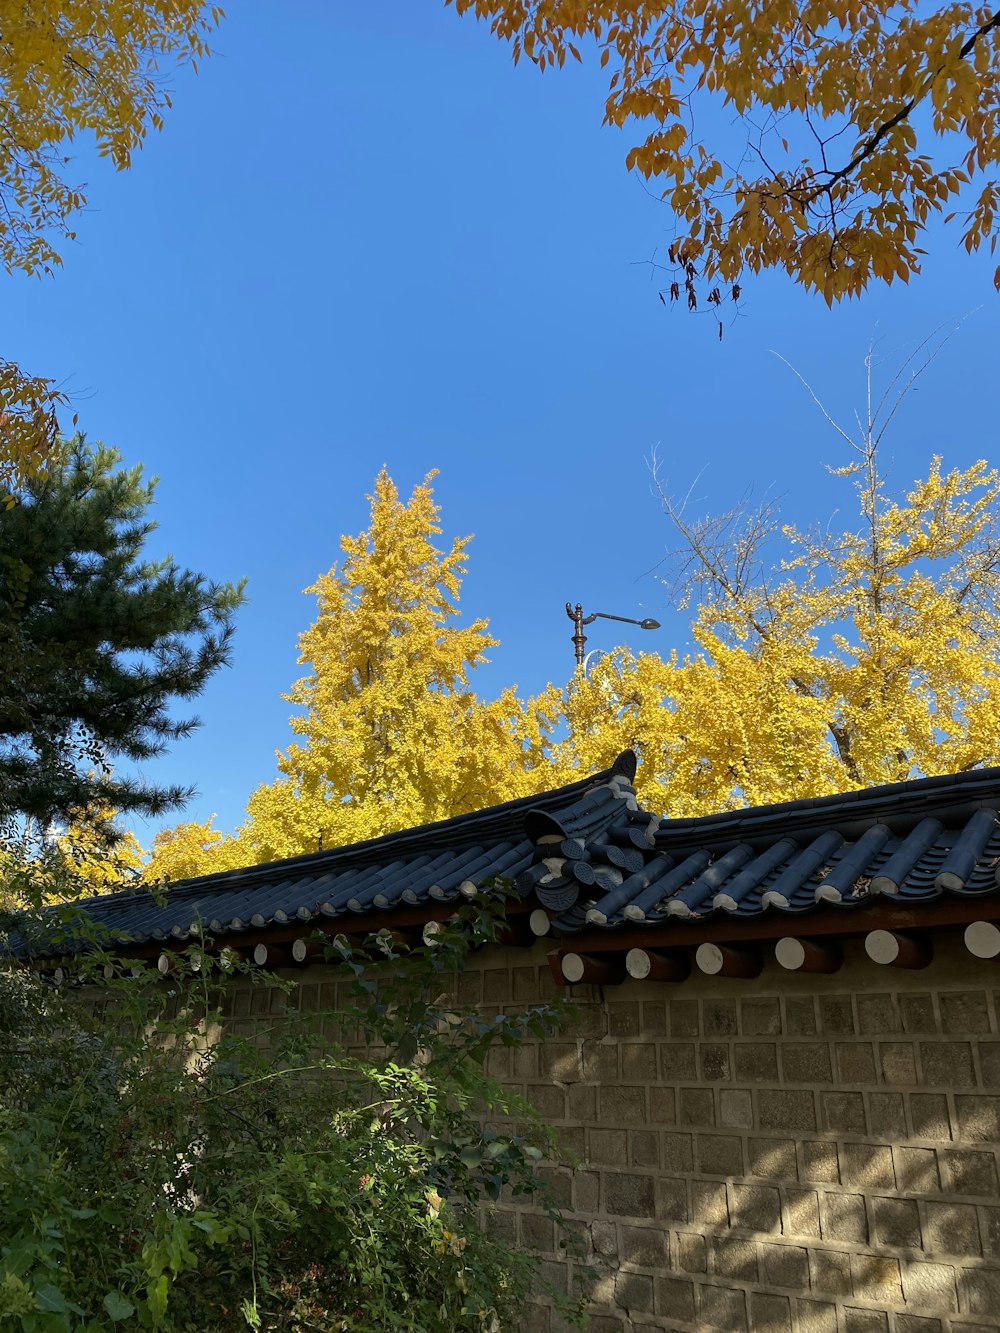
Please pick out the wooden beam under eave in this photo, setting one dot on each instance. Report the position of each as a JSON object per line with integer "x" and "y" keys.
{"x": 539, "y": 922}
{"x": 591, "y": 969}
{"x": 803, "y": 955}
{"x": 304, "y": 951}
{"x": 355, "y": 925}
{"x": 656, "y": 965}
{"x": 273, "y": 955}
{"x": 896, "y": 948}
{"x": 727, "y": 960}
{"x": 570, "y": 968}
{"x": 982, "y": 939}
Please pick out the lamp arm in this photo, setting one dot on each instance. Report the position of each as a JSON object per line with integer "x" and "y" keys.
{"x": 604, "y": 615}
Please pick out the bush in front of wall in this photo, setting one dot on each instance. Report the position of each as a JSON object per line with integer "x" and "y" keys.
{"x": 160, "y": 1170}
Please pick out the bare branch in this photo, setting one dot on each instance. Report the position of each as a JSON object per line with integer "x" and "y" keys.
{"x": 914, "y": 374}
{"x": 812, "y": 394}
{"x": 720, "y": 559}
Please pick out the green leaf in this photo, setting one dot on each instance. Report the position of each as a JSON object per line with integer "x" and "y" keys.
{"x": 51, "y": 1299}
{"x": 156, "y": 1294}
{"x": 407, "y": 1048}
{"x": 118, "y": 1306}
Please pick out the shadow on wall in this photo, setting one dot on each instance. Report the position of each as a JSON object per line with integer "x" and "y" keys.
{"x": 790, "y": 1154}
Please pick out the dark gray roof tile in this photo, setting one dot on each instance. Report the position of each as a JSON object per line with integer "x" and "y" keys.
{"x": 750, "y": 879}
{"x": 645, "y": 903}
{"x": 970, "y": 843}
{"x": 698, "y": 897}
{"x": 853, "y": 862}
{"x": 906, "y": 856}
{"x": 805, "y": 864}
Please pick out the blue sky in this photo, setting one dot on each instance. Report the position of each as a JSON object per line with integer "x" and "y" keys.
{"x": 366, "y": 238}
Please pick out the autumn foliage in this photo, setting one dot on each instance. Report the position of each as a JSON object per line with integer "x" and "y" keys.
{"x": 825, "y": 662}
{"x": 855, "y": 125}
{"x": 854, "y": 658}
{"x": 96, "y": 69}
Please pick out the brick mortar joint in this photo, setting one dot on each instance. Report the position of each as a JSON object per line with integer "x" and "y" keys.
{"x": 841, "y": 1300}
{"x": 821, "y": 1244}
{"x": 816, "y": 1245}
{"x": 867, "y": 1191}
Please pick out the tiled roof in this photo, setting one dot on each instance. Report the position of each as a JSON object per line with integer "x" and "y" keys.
{"x": 910, "y": 842}
{"x": 435, "y": 863}
{"x": 587, "y": 857}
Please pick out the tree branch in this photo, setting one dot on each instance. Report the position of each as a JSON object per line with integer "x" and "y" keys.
{"x": 872, "y": 142}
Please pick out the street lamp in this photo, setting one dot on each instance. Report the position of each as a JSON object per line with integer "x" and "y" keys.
{"x": 579, "y": 620}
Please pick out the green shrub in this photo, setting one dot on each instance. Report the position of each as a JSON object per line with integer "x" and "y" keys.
{"x": 160, "y": 1171}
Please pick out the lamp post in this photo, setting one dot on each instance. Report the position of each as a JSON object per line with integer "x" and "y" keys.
{"x": 575, "y": 614}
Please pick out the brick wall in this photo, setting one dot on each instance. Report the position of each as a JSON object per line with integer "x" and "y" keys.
{"x": 810, "y": 1153}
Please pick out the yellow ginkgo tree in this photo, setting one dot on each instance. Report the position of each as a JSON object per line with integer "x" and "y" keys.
{"x": 97, "y": 855}
{"x": 93, "y": 68}
{"x": 389, "y": 730}
{"x": 826, "y": 661}
{"x": 191, "y": 849}
{"x": 819, "y": 137}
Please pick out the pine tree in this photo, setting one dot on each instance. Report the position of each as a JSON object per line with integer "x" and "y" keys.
{"x": 97, "y": 643}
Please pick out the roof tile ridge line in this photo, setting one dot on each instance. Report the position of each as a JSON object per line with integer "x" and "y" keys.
{"x": 317, "y": 860}
{"x": 852, "y": 803}
{"x": 612, "y": 798}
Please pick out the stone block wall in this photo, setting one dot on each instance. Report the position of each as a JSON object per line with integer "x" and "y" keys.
{"x": 790, "y": 1154}
{"x": 815, "y": 1154}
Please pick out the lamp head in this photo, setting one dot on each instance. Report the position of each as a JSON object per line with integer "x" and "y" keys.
{"x": 649, "y": 623}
